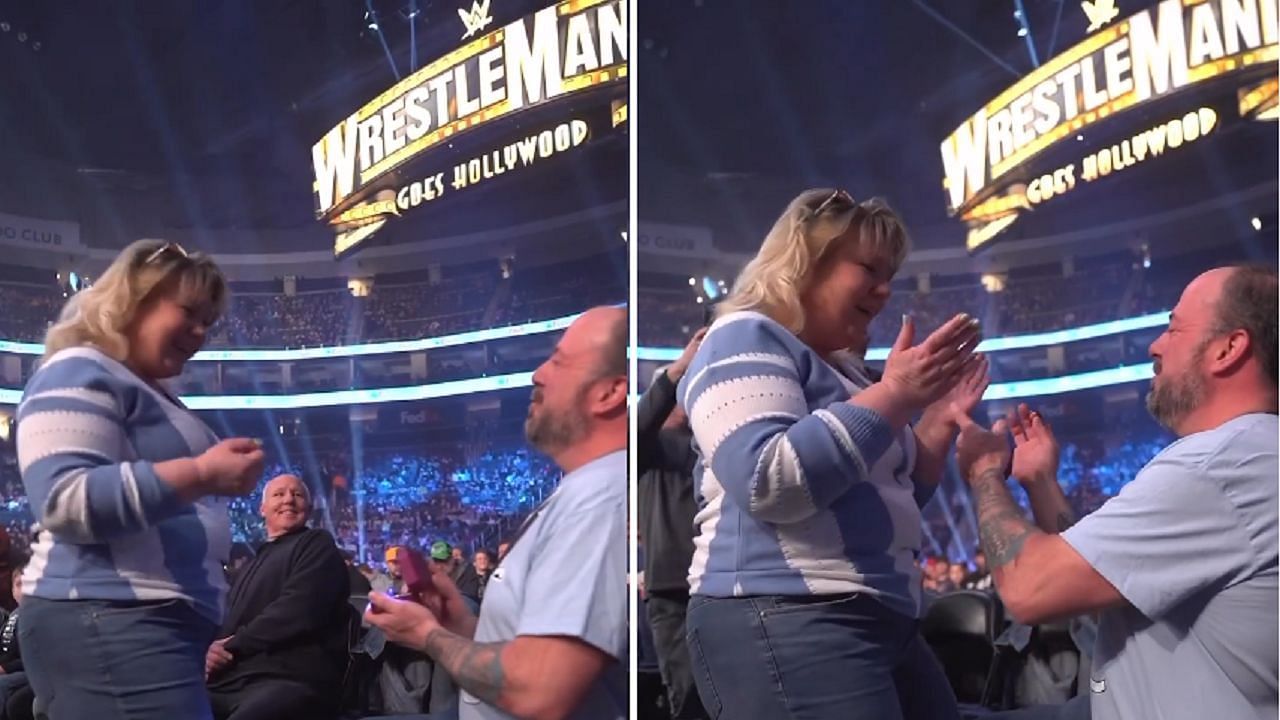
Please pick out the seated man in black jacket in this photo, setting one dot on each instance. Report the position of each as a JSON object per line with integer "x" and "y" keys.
{"x": 283, "y": 647}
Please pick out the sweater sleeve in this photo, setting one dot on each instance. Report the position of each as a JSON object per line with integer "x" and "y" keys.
{"x": 775, "y": 458}
{"x": 317, "y": 582}
{"x": 72, "y": 443}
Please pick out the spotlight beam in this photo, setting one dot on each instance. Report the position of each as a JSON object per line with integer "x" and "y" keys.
{"x": 1026, "y": 25}
{"x": 413, "y": 35}
{"x": 377, "y": 27}
{"x": 1053, "y": 37}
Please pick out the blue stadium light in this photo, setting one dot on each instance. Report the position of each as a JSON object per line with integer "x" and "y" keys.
{"x": 710, "y": 288}
{"x": 997, "y": 391}
{"x": 343, "y": 351}
{"x": 1058, "y": 385}
{"x": 991, "y": 345}
{"x": 1069, "y": 383}
{"x": 337, "y": 398}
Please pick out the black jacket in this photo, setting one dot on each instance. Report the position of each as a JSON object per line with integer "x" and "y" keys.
{"x": 467, "y": 580}
{"x": 665, "y": 461}
{"x": 10, "y": 649}
{"x": 287, "y": 613}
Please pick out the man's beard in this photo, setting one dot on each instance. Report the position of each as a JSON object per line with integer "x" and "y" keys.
{"x": 550, "y": 432}
{"x": 1170, "y": 401}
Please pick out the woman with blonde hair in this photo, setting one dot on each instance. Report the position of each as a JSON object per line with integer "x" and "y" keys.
{"x": 125, "y": 587}
{"x": 805, "y": 597}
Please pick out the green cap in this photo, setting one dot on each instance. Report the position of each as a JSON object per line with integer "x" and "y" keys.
{"x": 441, "y": 550}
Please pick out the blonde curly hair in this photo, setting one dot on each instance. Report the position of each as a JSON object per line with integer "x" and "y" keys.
{"x": 774, "y": 280}
{"x": 99, "y": 314}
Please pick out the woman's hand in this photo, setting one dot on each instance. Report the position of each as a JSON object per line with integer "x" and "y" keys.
{"x": 920, "y": 375}
{"x": 963, "y": 397}
{"x": 231, "y": 468}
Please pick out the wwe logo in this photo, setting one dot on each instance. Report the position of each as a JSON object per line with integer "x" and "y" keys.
{"x": 1099, "y": 12}
{"x": 477, "y": 19}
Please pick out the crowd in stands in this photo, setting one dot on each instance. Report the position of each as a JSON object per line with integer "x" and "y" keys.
{"x": 1039, "y": 299}
{"x": 395, "y": 309}
{"x": 409, "y": 498}
{"x": 560, "y": 290}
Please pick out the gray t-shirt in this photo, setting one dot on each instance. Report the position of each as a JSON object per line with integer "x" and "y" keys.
{"x": 1191, "y": 543}
{"x": 566, "y": 575}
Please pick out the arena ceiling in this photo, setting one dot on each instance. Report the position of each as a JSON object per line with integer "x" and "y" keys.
{"x": 743, "y": 102}
{"x": 203, "y": 114}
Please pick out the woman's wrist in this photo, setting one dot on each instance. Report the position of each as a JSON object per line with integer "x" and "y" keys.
{"x": 882, "y": 399}
{"x": 187, "y": 477}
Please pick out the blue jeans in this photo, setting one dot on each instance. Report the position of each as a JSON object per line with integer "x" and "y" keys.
{"x": 845, "y": 657}
{"x": 104, "y": 660}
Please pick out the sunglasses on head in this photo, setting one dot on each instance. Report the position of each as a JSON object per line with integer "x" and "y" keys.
{"x": 835, "y": 195}
{"x": 167, "y": 247}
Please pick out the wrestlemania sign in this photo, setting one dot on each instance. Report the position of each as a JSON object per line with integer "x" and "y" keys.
{"x": 1157, "y": 53}
{"x": 568, "y": 48}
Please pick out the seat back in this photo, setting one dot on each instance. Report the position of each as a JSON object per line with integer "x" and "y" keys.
{"x": 961, "y": 628}
{"x": 969, "y": 613}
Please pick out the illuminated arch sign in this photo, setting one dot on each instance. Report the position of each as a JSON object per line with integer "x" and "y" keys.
{"x": 1170, "y": 47}
{"x": 562, "y": 50}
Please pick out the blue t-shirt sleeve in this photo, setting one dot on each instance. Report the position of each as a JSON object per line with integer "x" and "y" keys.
{"x": 578, "y": 587}
{"x": 1167, "y": 536}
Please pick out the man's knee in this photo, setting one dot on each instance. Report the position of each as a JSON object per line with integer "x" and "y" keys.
{"x": 272, "y": 700}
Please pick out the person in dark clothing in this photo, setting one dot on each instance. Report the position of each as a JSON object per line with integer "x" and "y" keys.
{"x": 483, "y": 564}
{"x": 21, "y": 704}
{"x": 282, "y": 651}
{"x": 241, "y": 554}
{"x": 10, "y": 566}
{"x": 666, "y": 510}
{"x": 12, "y": 676}
{"x": 460, "y": 571}
{"x": 360, "y": 584}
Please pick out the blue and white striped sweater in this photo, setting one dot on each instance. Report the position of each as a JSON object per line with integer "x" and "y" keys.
{"x": 89, "y": 434}
{"x": 800, "y": 492}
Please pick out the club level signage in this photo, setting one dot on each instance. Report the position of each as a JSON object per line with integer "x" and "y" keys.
{"x": 1153, "y": 54}
{"x": 554, "y": 53}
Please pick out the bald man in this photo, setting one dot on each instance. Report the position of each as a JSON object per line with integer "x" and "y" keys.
{"x": 282, "y": 650}
{"x": 550, "y": 639}
{"x": 1181, "y": 565}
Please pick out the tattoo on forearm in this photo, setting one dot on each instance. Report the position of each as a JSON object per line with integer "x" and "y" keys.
{"x": 1065, "y": 520}
{"x": 1002, "y": 528}
{"x": 475, "y": 667}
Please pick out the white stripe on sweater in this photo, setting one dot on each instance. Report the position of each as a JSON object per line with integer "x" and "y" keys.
{"x": 705, "y": 521}
{"x": 815, "y": 549}
{"x": 780, "y": 493}
{"x": 66, "y": 507}
{"x": 782, "y": 361}
{"x": 730, "y": 404}
{"x": 842, "y": 436}
{"x": 54, "y": 432}
{"x": 104, "y": 400}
